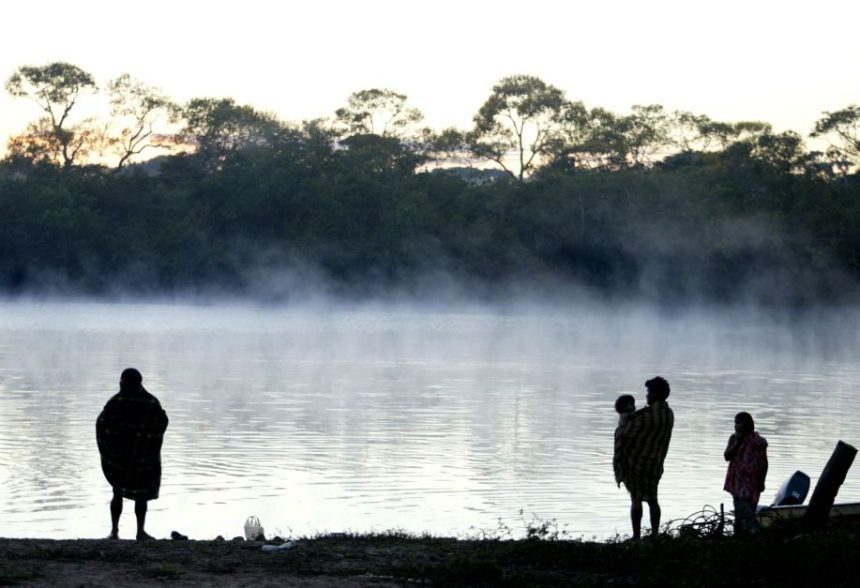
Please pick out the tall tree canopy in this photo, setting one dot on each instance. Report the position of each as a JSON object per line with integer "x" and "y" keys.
{"x": 672, "y": 205}
{"x": 842, "y": 127}
{"x": 139, "y": 109}
{"x": 56, "y": 88}
{"x": 518, "y": 124}
{"x": 218, "y": 127}
{"x": 377, "y": 112}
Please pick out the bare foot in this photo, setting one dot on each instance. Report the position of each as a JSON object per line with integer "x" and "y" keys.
{"x": 143, "y": 536}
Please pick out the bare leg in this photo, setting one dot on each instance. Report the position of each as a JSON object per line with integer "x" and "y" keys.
{"x": 140, "y": 513}
{"x": 654, "y": 508}
{"x": 115, "y": 512}
{"x": 635, "y": 517}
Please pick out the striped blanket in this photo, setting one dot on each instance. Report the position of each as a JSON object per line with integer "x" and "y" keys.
{"x": 642, "y": 448}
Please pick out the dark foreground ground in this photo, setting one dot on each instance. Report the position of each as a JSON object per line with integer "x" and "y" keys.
{"x": 826, "y": 559}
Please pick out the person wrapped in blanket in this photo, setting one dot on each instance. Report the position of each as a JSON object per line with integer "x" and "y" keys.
{"x": 129, "y": 434}
{"x": 641, "y": 448}
{"x": 746, "y": 453}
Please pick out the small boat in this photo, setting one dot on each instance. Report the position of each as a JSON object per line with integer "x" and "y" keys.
{"x": 788, "y": 510}
{"x": 776, "y": 517}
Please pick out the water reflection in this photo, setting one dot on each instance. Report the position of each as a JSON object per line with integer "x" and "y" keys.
{"x": 375, "y": 419}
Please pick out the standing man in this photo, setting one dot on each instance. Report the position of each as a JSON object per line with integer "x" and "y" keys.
{"x": 129, "y": 433}
{"x": 643, "y": 446}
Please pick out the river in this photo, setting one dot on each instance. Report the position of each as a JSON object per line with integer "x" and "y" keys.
{"x": 468, "y": 421}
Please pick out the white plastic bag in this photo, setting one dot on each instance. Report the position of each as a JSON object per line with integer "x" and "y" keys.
{"x": 282, "y": 547}
{"x": 253, "y": 528}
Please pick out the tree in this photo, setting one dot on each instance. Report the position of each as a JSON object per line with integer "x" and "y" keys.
{"x": 748, "y": 131}
{"x": 644, "y": 133}
{"x": 697, "y": 132}
{"x": 377, "y": 112}
{"x": 37, "y": 144}
{"x": 449, "y": 147}
{"x": 56, "y": 88}
{"x": 768, "y": 154}
{"x": 597, "y": 144}
{"x": 520, "y": 121}
{"x": 610, "y": 141}
{"x": 40, "y": 143}
{"x": 140, "y": 109}
{"x": 605, "y": 140}
{"x": 220, "y": 127}
{"x": 565, "y": 150}
{"x": 379, "y": 155}
{"x": 842, "y": 127}
{"x": 692, "y": 132}
{"x": 783, "y": 152}
{"x": 315, "y": 144}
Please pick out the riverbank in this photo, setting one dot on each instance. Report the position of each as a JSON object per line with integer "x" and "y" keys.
{"x": 827, "y": 559}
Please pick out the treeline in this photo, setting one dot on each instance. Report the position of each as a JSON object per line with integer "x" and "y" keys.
{"x": 541, "y": 194}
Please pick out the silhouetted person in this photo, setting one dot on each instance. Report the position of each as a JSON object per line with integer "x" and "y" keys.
{"x": 644, "y": 442}
{"x": 129, "y": 433}
{"x": 625, "y": 406}
{"x": 746, "y": 453}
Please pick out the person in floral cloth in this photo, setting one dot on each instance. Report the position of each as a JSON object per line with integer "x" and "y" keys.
{"x": 747, "y": 457}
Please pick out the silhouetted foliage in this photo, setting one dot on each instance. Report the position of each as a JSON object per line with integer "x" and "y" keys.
{"x": 667, "y": 206}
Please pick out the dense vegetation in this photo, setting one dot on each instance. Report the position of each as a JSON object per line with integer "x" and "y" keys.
{"x": 666, "y": 206}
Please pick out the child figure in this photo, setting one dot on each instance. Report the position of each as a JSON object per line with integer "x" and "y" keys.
{"x": 625, "y": 406}
{"x": 747, "y": 456}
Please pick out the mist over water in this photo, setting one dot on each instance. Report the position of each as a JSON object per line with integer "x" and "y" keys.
{"x": 334, "y": 418}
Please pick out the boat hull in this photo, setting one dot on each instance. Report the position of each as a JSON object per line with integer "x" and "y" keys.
{"x": 783, "y": 516}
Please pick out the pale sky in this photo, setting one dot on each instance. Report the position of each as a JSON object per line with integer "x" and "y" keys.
{"x": 771, "y": 60}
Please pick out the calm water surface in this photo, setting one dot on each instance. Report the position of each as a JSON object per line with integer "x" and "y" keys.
{"x": 370, "y": 419}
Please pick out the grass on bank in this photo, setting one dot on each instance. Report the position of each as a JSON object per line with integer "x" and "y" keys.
{"x": 823, "y": 559}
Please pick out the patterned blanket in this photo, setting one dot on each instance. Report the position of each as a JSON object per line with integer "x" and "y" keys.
{"x": 129, "y": 433}
{"x": 642, "y": 448}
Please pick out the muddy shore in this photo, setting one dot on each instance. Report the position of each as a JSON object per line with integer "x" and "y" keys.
{"x": 826, "y": 559}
